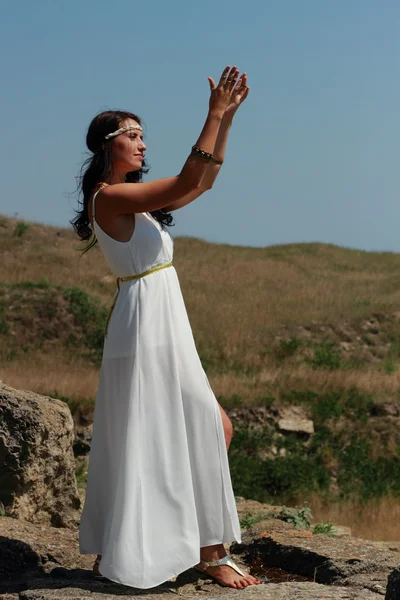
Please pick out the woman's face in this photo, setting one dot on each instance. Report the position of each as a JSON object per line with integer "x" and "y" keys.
{"x": 128, "y": 148}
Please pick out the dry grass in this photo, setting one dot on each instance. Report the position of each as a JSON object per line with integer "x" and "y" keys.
{"x": 59, "y": 378}
{"x": 376, "y": 520}
{"x": 236, "y": 297}
{"x": 276, "y": 381}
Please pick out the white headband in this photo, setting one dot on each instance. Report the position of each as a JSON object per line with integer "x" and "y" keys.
{"x": 128, "y": 128}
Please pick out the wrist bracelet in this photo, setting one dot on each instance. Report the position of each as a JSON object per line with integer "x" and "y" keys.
{"x": 207, "y": 156}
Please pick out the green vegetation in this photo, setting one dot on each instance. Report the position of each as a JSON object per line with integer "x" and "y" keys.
{"x": 4, "y": 512}
{"x": 249, "y": 519}
{"x": 40, "y": 284}
{"x": 326, "y": 356}
{"x": 299, "y": 516}
{"x": 45, "y": 308}
{"x": 287, "y": 348}
{"x": 324, "y": 528}
{"x": 81, "y": 472}
{"x": 91, "y": 316}
{"x": 305, "y": 324}
{"x": 366, "y": 465}
{"x": 20, "y": 228}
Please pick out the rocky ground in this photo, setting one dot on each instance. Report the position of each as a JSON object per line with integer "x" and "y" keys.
{"x": 39, "y": 562}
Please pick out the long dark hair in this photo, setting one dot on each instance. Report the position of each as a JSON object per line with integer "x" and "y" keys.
{"x": 97, "y": 168}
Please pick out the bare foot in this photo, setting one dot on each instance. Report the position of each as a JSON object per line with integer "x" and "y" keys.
{"x": 95, "y": 569}
{"x": 227, "y": 577}
{"x": 224, "y": 574}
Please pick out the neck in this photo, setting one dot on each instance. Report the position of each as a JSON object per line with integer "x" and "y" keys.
{"x": 117, "y": 177}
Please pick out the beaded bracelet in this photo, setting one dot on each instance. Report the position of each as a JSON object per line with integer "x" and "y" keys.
{"x": 196, "y": 151}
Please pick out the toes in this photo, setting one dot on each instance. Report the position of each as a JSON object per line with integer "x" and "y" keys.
{"x": 250, "y": 580}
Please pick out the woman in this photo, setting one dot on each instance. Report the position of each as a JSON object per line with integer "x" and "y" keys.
{"x": 159, "y": 498}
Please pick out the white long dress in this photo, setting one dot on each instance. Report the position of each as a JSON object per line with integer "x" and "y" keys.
{"x": 158, "y": 486}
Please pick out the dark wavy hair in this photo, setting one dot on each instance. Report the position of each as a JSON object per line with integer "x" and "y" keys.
{"x": 97, "y": 168}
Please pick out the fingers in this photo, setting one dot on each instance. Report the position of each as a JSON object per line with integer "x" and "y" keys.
{"x": 241, "y": 84}
{"x": 246, "y": 93}
{"x": 231, "y": 83}
{"x": 224, "y": 75}
{"x": 229, "y": 78}
{"x": 242, "y": 89}
{"x": 232, "y": 78}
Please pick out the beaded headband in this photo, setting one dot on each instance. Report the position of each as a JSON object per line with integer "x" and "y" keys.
{"x": 121, "y": 130}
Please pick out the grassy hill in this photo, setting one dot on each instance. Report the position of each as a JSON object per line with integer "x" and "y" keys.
{"x": 265, "y": 320}
{"x": 312, "y": 325}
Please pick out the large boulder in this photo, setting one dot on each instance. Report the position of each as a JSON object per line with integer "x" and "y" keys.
{"x": 37, "y": 466}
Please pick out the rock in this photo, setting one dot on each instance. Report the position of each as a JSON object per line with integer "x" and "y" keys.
{"x": 342, "y": 531}
{"x": 345, "y": 561}
{"x": 296, "y": 425}
{"x": 43, "y": 563}
{"x": 393, "y": 546}
{"x": 283, "y": 591}
{"x": 294, "y": 418}
{"x": 393, "y": 585}
{"x": 385, "y": 409}
{"x": 82, "y": 441}
{"x": 37, "y": 466}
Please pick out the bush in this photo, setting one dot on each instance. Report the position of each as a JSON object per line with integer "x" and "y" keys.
{"x": 300, "y": 516}
{"x": 281, "y": 479}
{"x": 326, "y": 356}
{"x": 287, "y": 348}
{"x": 324, "y": 528}
{"x": 20, "y": 228}
{"x": 248, "y": 520}
{"x": 91, "y": 316}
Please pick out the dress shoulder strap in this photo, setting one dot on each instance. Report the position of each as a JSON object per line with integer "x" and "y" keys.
{"x": 101, "y": 186}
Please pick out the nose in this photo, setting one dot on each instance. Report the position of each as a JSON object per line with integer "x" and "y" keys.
{"x": 142, "y": 146}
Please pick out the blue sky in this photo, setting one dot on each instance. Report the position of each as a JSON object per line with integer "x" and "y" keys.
{"x": 313, "y": 153}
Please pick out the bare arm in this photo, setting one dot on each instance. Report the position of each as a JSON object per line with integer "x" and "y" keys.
{"x": 211, "y": 171}
{"x": 238, "y": 96}
{"x": 130, "y": 198}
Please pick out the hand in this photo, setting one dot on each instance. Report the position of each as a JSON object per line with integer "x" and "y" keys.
{"x": 238, "y": 96}
{"x": 222, "y": 93}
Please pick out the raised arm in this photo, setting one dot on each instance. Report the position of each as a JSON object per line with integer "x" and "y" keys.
{"x": 130, "y": 198}
{"x": 239, "y": 94}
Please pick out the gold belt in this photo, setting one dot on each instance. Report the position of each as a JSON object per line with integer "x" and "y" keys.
{"x": 130, "y": 278}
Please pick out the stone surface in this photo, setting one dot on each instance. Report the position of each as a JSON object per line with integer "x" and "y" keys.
{"x": 294, "y": 419}
{"x": 38, "y": 562}
{"x": 342, "y": 531}
{"x": 345, "y": 561}
{"x": 297, "y": 425}
{"x": 284, "y": 591}
{"x": 82, "y": 440}
{"x": 37, "y": 466}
